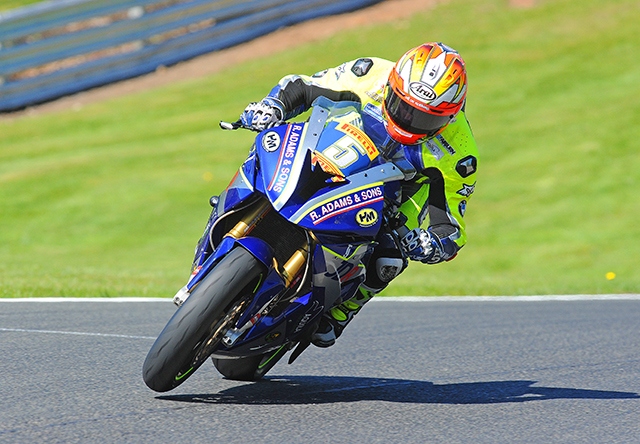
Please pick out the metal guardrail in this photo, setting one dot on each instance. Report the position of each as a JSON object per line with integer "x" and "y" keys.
{"x": 53, "y": 49}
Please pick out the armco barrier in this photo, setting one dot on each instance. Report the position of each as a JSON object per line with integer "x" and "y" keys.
{"x": 61, "y": 47}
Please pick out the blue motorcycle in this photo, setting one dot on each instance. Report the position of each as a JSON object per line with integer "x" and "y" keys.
{"x": 286, "y": 241}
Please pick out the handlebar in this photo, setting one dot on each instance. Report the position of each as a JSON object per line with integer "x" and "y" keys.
{"x": 230, "y": 126}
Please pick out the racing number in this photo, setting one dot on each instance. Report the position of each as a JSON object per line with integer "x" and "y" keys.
{"x": 344, "y": 152}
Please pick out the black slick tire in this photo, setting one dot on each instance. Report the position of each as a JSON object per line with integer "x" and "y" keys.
{"x": 195, "y": 328}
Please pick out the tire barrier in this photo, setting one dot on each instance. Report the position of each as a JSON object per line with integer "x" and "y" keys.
{"x": 62, "y": 47}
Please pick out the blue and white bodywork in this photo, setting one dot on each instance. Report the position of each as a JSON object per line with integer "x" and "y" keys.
{"x": 308, "y": 203}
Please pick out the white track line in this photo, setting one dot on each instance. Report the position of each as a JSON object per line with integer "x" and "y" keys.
{"x": 535, "y": 298}
{"x": 561, "y": 297}
{"x": 77, "y": 333}
{"x": 579, "y": 297}
{"x": 59, "y": 299}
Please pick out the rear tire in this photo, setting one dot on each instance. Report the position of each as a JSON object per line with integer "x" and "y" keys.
{"x": 198, "y": 325}
{"x": 251, "y": 368}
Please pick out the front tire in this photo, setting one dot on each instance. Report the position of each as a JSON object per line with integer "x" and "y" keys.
{"x": 198, "y": 325}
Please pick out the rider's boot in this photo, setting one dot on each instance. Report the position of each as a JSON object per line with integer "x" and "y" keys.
{"x": 385, "y": 265}
{"x": 335, "y": 320}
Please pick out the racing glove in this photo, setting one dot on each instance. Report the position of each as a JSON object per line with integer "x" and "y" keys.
{"x": 259, "y": 116}
{"x": 424, "y": 246}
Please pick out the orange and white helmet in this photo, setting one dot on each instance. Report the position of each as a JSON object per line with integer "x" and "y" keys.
{"x": 426, "y": 89}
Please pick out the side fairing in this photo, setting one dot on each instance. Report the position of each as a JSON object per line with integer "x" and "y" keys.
{"x": 354, "y": 210}
{"x": 355, "y": 207}
{"x": 347, "y": 197}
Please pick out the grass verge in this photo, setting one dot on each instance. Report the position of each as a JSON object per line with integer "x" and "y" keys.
{"x": 109, "y": 200}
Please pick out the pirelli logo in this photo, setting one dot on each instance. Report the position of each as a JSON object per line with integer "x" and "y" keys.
{"x": 362, "y": 138}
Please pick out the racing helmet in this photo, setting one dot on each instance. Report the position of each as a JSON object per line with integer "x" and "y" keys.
{"x": 426, "y": 89}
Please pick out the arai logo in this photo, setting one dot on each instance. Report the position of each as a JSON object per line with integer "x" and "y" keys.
{"x": 422, "y": 91}
{"x": 271, "y": 141}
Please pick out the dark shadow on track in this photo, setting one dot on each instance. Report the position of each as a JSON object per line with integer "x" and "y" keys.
{"x": 331, "y": 389}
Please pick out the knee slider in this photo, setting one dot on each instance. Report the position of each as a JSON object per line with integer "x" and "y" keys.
{"x": 388, "y": 268}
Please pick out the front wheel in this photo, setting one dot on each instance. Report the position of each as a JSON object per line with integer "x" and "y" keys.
{"x": 198, "y": 326}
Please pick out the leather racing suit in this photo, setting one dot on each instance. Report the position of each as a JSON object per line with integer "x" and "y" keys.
{"x": 436, "y": 197}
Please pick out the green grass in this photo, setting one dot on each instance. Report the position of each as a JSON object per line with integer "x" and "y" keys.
{"x": 11, "y": 4}
{"x": 110, "y": 200}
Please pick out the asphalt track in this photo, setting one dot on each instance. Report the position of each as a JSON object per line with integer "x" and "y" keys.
{"x": 443, "y": 371}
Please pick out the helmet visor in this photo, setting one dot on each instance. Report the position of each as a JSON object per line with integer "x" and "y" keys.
{"x": 412, "y": 119}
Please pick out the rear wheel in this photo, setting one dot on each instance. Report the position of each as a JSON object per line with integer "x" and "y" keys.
{"x": 199, "y": 324}
{"x": 250, "y": 368}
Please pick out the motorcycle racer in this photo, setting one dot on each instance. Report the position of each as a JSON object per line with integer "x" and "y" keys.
{"x": 413, "y": 110}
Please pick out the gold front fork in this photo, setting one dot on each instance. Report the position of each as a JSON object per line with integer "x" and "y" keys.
{"x": 292, "y": 268}
{"x": 250, "y": 220}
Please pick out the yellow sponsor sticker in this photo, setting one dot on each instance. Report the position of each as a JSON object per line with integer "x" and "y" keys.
{"x": 366, "y": 217}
